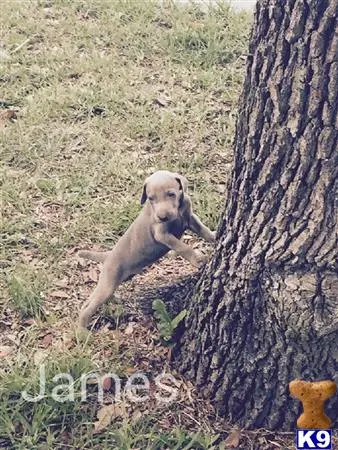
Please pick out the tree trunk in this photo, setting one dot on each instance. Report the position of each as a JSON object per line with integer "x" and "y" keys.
{"x": 265, "y": 310}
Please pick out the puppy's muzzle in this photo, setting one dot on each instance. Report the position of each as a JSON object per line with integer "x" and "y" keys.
{"x": 166, "y": 216}
{"x": 163, "y": 218}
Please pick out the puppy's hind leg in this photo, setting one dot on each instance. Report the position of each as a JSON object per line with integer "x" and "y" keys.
{"x": 108, "y": 282}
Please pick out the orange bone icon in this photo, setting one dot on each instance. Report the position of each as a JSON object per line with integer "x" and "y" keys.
{"x": 313, "y": 395}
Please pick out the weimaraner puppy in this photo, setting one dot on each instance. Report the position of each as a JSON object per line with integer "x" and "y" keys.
{"x": 157, "y": 230}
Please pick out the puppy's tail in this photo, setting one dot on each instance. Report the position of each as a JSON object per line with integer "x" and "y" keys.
{"x": 94, "y": 256}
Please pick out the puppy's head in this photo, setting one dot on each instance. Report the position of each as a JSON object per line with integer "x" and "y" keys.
{"x": 165, "y": 192}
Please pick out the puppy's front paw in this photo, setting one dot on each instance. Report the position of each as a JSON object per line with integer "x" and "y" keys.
{"x": 199, "y": 259}
{"x": 213, "y": 236}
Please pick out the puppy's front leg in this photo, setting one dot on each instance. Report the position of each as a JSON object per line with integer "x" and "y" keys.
{"x": 162, "y": 236}
{"x": 200, "y": 229}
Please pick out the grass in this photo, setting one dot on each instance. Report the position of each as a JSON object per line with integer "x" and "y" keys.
{"x": 104, "y": 93}
{"x": 25, "y": 288}
{"x": 82, "y": 56}
{"x": 27, "y": 424}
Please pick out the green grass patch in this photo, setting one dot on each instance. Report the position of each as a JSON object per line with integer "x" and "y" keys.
{"x": 105, "y": 93}
{"x": 26, "y": 288}
{"x": 29, "y": 422}
{"x": 105, "y": 96}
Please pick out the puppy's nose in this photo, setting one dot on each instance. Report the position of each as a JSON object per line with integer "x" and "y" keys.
{"x": 163, "y": 218}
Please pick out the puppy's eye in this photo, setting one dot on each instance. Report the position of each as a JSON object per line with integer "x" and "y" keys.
{"x": 150, "y": 199}
{"x": 171, "y": 194}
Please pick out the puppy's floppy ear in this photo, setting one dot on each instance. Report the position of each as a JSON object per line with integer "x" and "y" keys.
{"x": 144, "y": 194}
{"x": 182, "y": 181}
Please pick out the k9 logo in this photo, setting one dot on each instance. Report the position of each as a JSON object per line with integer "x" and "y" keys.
{"x": 314, "y": 439}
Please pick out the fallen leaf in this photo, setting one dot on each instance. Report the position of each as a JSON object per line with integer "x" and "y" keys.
{"x": 5, "y": 350}
{"x": 13, "y": 337}
{"x": 166, "y": 423}
{"x": 59, "y": 294}
{"x": 106, "y": 385}
{"x": 81, "y": 262}
{"x": 46, "y": 341}
{"x": 232, "y": 441}
{"x": 130, "y": 328}
{"x": 97, "y": 111}
{"x": 61, "y": 283}
{"x": 4, "y": 263}
{"x": 39, "y": 356}
{"x": 91, "y": 381}
{"x": 160, "y": 102}
{"x": 130, "y": 370}
{"x": 115, "y": 335}
{"x": 68, "y": 343}
{"x": 105, "y": 416}
{"x": 7, "y": 114}
{"x": 4, "y": 55}
{"x": 65, "y": 437}
{"x": 188, "y": 237}
{"x": 221, "y": 188}
{"x": 137, "y": 415}
{"x": 29, "y": 322}
{"x": 177, "y": 383}
{"x": 164, "y": 24}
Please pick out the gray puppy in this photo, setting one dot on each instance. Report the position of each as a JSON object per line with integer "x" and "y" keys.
{"x": 156, "y": 231}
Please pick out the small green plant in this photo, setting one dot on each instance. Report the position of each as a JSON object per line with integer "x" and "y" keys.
{"x": 166, "y": 325}
{"x": 25, "y": 289}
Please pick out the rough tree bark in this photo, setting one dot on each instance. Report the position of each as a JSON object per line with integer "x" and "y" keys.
{"x": 265, "y": 310}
